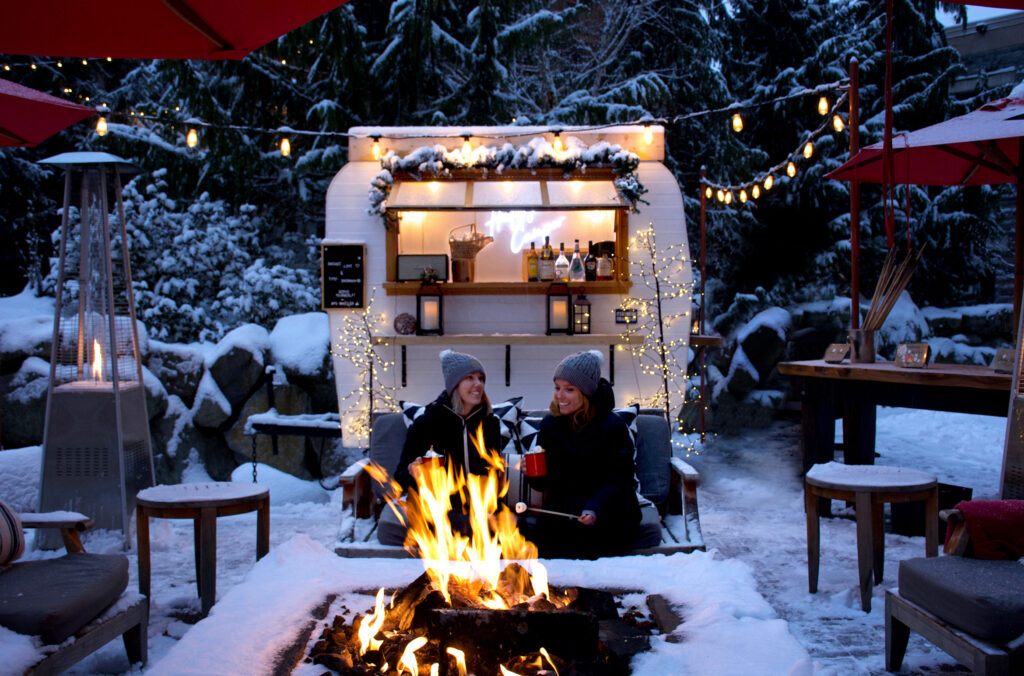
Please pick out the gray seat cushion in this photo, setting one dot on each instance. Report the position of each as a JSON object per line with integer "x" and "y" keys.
{"x": 648, "y": 533}
{"x": 386, "y": 441}
{"x": 653, "y": 455}
{"x": 54, "y": 598}
{"x": 983, "y": 598}
{"x": 390, "y": 531}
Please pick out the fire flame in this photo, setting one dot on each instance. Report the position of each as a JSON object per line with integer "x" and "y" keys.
{"x": 408, "y": 658}
{"x": 97, "y": 360}
{"x": 474, "y": 561}
{"x": 460, "y": 660}
{"x": 368, "y": 627}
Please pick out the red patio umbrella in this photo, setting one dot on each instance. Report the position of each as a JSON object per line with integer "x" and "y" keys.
{"x": 980, "y": 148}
{"x": 28, "y": 116}
{"x": 151, "y": 29}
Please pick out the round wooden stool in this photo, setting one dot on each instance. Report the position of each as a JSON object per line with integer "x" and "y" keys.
{"x": 869, "y": 487}
{"x": 203, "y": 503}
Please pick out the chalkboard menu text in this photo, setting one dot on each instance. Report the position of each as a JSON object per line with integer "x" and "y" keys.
{"x": 341, "y": 275}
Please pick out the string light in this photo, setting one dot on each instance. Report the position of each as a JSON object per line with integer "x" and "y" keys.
{"x": 823, "y": 106}
{"x": 728, "y": 196}
{"x": 557, "y": 143}
{"x": 769, "y": 181}
{"x": 467, "y": 149}
{"x": 743, "y": 196}
{"x": 648, "y": 134}
{"x": 837, "y": 123}
{"x": 720, "y": 195}
{"x": 808, "y": 149}
{"x": 708, "y": 192}
{"x": 755, "y": 192}
{"x": 192, "y": 140}
{"x": 101, "y": 126}
{"x": 376, "y": 147}
{"x": 790, "y": 169}
{"x": 737, "y": 123}
{"x": 286, "y": 147}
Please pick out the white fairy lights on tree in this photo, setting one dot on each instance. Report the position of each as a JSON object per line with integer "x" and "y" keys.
{"x": 355, "y": 343}
{"x": 662, "y": 272}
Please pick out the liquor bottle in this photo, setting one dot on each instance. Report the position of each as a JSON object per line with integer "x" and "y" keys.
{"x": 605, "y": 268}
{"x": 576, "y": 273}
{"x": 590, "y": 263}
{"x": 531, "y": 264}
{"x": 561, "y": 265}
{"x": 546, "y": 262}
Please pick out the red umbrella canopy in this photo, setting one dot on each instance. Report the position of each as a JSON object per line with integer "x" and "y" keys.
{"x": 979, "y": 148}
{"x": 28, "y": 116}
{"x": 151, "y": 29}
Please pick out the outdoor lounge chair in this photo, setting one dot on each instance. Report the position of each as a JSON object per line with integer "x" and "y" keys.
{"x": 74, "y": 604}
{"x": 670, "y": 523}
{"x": 972, "y": 608}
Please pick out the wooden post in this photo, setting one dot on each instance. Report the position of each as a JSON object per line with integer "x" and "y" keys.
{"x": 854, "y": 197}
{"x": 1018, "y": 246}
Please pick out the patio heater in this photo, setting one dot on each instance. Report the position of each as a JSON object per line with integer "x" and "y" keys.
{"x": 96, "y": 447}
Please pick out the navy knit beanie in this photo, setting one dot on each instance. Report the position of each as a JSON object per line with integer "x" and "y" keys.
{"x": 457, "y": 365}
{"x": 581, "y": 369}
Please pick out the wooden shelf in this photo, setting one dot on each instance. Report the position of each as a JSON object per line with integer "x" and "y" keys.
{"x": 511, "y": 339}
{"x": 705, "y": 341}
{"x": 506, "y": 288}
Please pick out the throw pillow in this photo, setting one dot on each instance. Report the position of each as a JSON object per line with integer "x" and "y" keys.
{"x": 529, "y": 426}
{"x": 411, "y": 411}
{"x": 12, "y": 537}
{"x": 629, "y": 414}
{"x": 507, "y": 412}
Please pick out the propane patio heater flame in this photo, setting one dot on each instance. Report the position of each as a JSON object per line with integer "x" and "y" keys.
{"x": 97, "y": 361}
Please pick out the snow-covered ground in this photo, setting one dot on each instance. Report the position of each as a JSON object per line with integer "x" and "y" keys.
{"x": 745, "y": 602}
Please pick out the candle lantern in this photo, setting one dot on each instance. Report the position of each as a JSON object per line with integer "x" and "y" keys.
{"x": 429, "y": 310}
{"x": 96, "y": 446}
{"x": 559, "y": 302}
{"x": 581, "y": 314}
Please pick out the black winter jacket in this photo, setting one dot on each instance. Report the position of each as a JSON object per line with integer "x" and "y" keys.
{"x": 592, "y": 469}
{"x": 450, "y": 435}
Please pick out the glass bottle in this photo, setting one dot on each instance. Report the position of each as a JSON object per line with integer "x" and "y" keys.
{"x": 532, "y": 265}
{"x": 546, "y": 262}
{"x": 605, "y": 268}
{"x": 576, "y": 273}
{"x": 590, "y": 263}
{"x": 561, "y": 265}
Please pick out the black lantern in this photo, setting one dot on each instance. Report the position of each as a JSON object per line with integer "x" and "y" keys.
{"x": 581, "y": 314}
{"x": 429, "y": 310}
{"x": 559, "y": 306}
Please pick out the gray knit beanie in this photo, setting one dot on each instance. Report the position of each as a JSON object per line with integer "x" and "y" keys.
{"x": 581, "y": 369}
{"x": 457, "y": 365}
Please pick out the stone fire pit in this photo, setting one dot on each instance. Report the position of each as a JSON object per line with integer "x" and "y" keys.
{"x": 261, "y": 625}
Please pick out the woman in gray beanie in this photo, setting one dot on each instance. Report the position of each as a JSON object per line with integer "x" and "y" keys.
{"x": 448, "y": 425}
{"x": 590, "y": 467}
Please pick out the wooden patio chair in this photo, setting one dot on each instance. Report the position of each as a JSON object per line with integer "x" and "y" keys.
{"x": 71, "y": 605}
{"x": 972, "y": 608}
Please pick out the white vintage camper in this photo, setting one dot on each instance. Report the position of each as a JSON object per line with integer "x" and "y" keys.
{"x": 464, "y": 205}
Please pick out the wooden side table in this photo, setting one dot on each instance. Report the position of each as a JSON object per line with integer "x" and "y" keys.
{"x": 869, "y": 487}
{"x": 203, "y": 503}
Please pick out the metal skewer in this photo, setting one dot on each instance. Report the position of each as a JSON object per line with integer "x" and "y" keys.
{"x": 522, "y": 507}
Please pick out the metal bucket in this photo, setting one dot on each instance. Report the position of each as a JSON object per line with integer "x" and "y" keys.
{"x": 463, "y": 269}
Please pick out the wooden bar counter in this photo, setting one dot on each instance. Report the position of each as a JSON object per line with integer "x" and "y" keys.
{"x": 852, "y": 391}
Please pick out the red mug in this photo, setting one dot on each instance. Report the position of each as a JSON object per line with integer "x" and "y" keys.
{"x": 536, "y": 463}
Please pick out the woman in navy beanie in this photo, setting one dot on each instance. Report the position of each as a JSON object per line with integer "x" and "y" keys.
{"x": 590, "y": 469}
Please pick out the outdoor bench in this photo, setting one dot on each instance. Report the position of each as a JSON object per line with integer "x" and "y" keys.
{"x": 667, "y": 485}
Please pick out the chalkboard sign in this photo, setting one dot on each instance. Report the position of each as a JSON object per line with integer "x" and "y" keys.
{"x": 341, "y": 275}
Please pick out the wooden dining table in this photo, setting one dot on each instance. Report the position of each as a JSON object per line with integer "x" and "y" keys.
{"x": 852, "y": 391}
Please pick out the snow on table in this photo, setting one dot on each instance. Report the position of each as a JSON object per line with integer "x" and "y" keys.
{"x": 875, "y": 477}
{"x": 726, "y": 623}
{"x": 204, "y": 491}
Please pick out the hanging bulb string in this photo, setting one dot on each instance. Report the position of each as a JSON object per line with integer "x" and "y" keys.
{"x": 797, "y": 152}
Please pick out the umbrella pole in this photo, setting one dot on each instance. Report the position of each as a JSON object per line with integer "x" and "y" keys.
{"x": 1018, "y": 246}
{"x": 854, "y": 199}
{"x": 703, "y": 311}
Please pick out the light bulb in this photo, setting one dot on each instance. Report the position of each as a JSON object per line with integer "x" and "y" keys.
{"x": 720, "y": 195}
{"x": 755, "y": 192}
{"x": 823, "y": 106}
{"x": 768, "y": 182}
{"x": 743, "y": 195}
{"x": 707, "y": 192}
{"x": 648, "y": 134}
{"x": 557, "y": 143}
{"x": 101, "y": 126}
{"x": 467, "y": 149}
{"x": 728, "y": 197}
{"x": 737, "y": 123}
{"x": 808, "y": 149}
{"x": 286, "y": 147}
{"x": 376, "y": 148}
{"x": 837, "y": 123}
{"x": 791, "y": 169}
{"x": 192, "y": 140}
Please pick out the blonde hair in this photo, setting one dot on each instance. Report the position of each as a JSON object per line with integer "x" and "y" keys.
{"x": 581, "y": 417}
